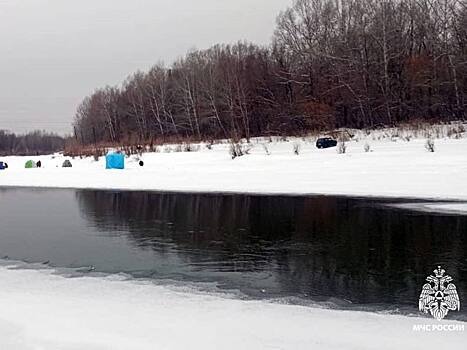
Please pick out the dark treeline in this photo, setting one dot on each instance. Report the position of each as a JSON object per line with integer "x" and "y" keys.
{"x": 332, "y": 63}
{"x": 36, "y": 142}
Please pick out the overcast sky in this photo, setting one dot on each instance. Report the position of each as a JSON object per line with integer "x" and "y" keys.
{"x": 55, "y": 52}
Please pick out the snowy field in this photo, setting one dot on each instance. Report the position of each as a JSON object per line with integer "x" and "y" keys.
{"x": 43, "y": 310}
{"x": 393, "y": 168}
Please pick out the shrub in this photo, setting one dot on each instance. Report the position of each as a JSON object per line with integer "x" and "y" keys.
{"x": 341, "y": 147}
{"x": 236, "y": 149}
{"x": 297, "y": 148}
{"x": 96, "y": 154}
{"x": 188, "y": 147}
{"x": 456, "y": 131}
{"x": 430, "y": 145}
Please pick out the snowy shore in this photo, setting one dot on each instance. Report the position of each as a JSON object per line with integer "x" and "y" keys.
{"x": 43, "y": 310}
{"x": 390, "y": 169}
{"x": 441, "y": 207}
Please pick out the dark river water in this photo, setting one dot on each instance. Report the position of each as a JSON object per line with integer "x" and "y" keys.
{"x": 343, "y": 252}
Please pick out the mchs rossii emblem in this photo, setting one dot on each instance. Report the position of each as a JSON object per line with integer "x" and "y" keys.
{"x": 439, "y": 295}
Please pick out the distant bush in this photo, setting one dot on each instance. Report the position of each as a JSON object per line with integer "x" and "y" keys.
{"x": 430, "y": 145}
{"x": 341, "y": 147}
{"x": 236, "y": 149}
{"x": 297, "y": 147}
{"x": 188, "y": 147}
{"x": 97, "y": 154}
{"x": 456, "y": 131}
{"x": 184, "y": 147}
{"x": 210, "y": 144}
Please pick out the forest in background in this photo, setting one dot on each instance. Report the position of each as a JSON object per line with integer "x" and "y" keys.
{"x": 331, "y": 64}
{"x": 33, "y": 143}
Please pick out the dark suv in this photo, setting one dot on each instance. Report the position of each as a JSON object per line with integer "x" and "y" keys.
{"x": 326, "y": 142}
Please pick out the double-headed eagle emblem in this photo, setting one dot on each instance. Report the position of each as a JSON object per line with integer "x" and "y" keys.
{"x": 438, "y": 298}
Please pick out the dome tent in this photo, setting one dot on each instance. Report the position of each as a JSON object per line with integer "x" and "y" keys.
{"x": 115, "y": 161}
{"x": 67, "y": 164}
{"x": 30, "y": 164}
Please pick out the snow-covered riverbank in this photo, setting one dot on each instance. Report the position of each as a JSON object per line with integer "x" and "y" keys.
{"x": 454, "y": 208}
{"x": 391, "y": 169}
{"x": 42, "y": 310}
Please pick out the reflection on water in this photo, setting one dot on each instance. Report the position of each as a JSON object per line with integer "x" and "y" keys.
{"x": 310, "y": 247}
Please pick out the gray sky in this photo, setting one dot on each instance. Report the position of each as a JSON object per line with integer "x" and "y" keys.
{"x": 55, "y": 52}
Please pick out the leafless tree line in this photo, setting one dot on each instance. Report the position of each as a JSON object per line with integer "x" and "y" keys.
{"x": 332, "y": 63}
{"x": 33, "y": 143}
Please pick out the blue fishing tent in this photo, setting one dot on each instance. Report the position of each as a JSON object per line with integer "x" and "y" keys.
{"x": 115, "y": 161}
{"x": 3, "y": 166}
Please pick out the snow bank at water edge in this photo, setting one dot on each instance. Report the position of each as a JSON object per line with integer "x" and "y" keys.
{"x": 449, "y": 207}
{"x": 42, "y": 310}
{"x": 390, "y": 169}
{"x": 456, "y": 208}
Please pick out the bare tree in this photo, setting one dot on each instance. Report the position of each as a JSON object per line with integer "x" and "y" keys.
{"x": 332, "y": 63}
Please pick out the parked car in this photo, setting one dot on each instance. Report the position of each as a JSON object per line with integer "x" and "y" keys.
{"x": 326, "y": 142}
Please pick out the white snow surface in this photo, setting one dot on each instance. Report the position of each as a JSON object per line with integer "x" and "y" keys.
{"x": 393, "y": 168}
{"x": 40, "y": 309}
{"x": 440, "y": 207}
{"x": 449, "y": 207}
